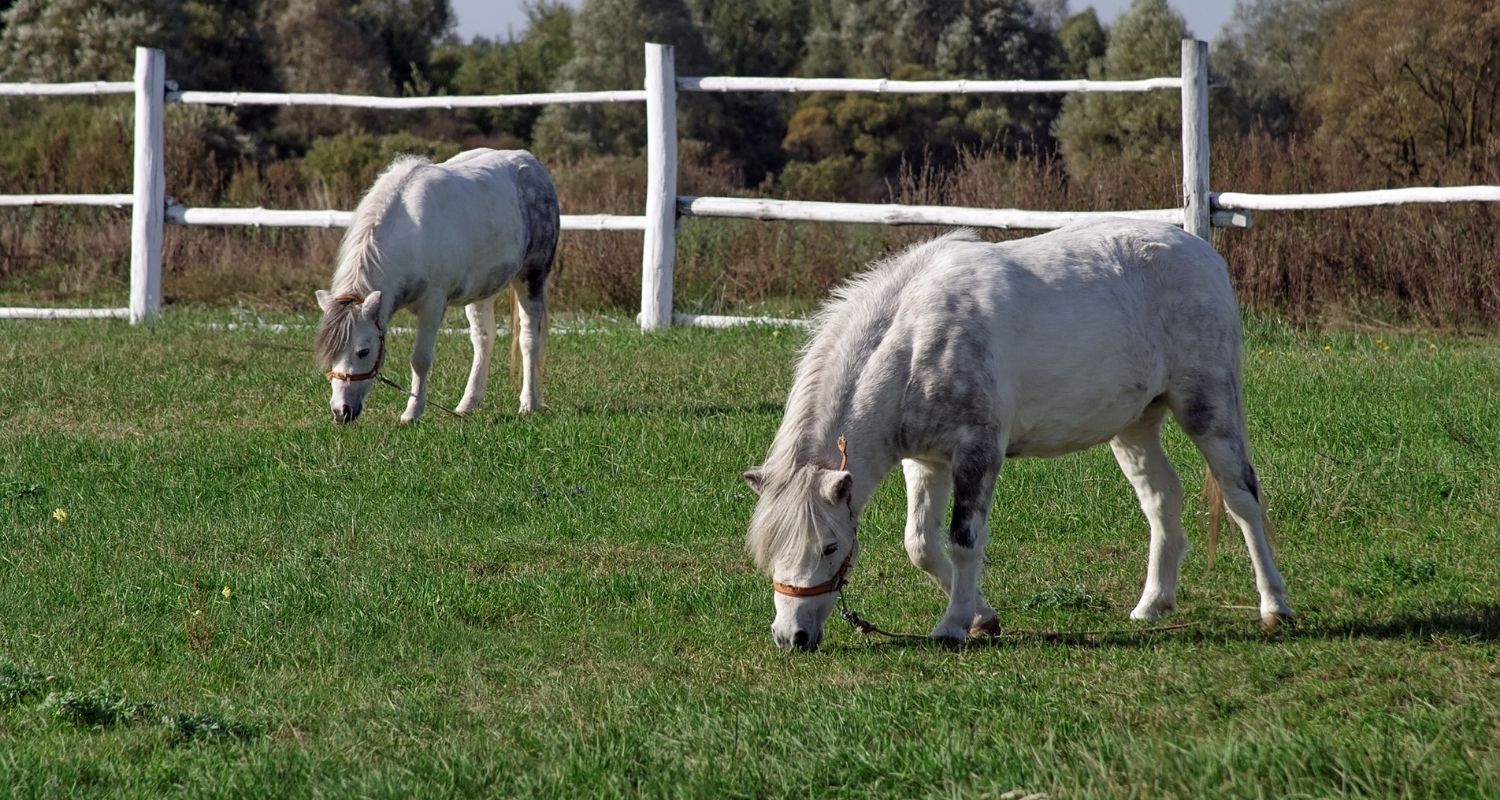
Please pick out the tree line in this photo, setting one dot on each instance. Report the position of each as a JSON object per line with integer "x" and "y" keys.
{"x": 1405, "y": 88}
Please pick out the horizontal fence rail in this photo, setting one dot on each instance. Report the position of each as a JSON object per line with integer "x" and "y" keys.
{"x": 329, "y": 218}
{"x": 719, "y": 321}
{"x": 402, "y": 103}
{"x": 65, "y": 89}
{"x": 1373, "y": 197}
{"x": 887, "y": 86}
{"x": 891, "y": 214}
{"x": 64, "y": 313}
{"x": 116, "y": 200}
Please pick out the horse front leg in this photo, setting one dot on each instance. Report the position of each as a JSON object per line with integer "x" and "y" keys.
{"x": 927, "y": 490}
{"x": 429, "y": 316}
{"x": 481, "y": 314}
{"x": 976, "y": 465}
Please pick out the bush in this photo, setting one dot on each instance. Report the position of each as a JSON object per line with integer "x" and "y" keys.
{"x": 349, "y": 162}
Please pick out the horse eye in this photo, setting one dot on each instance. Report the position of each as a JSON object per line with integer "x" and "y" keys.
{"x": 362, "y": 353}
{"x": 831, "y": 549}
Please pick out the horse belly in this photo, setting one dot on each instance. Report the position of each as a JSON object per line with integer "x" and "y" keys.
{"x": 1071, "y": 407}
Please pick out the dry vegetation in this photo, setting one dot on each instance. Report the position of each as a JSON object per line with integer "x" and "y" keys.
{"x": 1432, "y": 266}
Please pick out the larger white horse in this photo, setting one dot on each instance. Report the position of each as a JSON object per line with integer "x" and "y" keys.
{"x": 957, "y": 354}
{"x": 425, "y": 236}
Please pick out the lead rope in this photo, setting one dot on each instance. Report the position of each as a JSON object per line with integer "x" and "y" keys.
{"x": 402, "y": 389}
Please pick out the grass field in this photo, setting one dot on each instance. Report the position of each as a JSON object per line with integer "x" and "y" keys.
{"x": 245, "y": 600}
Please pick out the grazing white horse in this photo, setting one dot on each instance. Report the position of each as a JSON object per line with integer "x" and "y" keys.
{"x": 426, "y": 236}
{"x": 957, "y": 354}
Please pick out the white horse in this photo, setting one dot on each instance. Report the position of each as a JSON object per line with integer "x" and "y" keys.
{"x": 425, "y": 236}
{"x": 956, "y": 354}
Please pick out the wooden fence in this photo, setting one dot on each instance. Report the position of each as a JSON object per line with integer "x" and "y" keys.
{"x": 151, "y": 207}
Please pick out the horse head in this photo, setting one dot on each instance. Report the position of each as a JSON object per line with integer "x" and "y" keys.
{"x": 351, "y": 343}
{"x": 803, "y": 534}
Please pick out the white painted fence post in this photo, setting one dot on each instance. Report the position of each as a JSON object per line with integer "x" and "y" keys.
{"x": 1195, "y": 202}
{"x": 660, "y": 247}
{"x": 149, "y": 186}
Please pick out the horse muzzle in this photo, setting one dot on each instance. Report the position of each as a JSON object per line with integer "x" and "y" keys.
{"x": 799, "y": 639}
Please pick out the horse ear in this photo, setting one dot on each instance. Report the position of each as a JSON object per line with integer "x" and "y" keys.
{"x": 325, "y": 299}
{"x": 755, "y": 479}
{"x": 371, "y": 308}
{"x": 835, "y": 485}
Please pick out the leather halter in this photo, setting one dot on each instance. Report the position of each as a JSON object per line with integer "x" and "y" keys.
{"x": 826, "y": 587}
{"x": 839, "y": 578}
{"x": 351, "y": 377}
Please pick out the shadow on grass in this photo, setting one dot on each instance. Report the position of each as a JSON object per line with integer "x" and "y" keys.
{"x": 1476, "y": 621}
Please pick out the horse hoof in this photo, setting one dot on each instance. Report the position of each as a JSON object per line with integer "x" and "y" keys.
{"x": 985, "y": 628}
{"x": 1277, "y": 620}
{"x": 949, "y": 635}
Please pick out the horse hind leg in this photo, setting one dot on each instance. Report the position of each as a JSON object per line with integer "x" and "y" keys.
{"x": 481, "y": 314}
{"x": 1138, "y": 450}
{"x": 1210, "y": 414}
{"x": 529, "y": 329}
{"x": 927, "y": 491}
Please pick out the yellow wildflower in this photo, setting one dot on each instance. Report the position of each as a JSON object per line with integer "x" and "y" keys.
{"x": 226, "y": 593}
{"x": 60, "y": 514}
{"x": 1327, "y": 348}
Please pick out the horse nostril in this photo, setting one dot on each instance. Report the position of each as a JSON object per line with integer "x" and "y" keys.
{"x": 799, "y": 641}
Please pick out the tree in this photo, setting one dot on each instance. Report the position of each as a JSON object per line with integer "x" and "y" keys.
{"x": 1097, "y": 127}
{"x": 1413, "y": 88}
{"x": 607, "y": 38}
{"x": 1272, "y": 54}
{"x": 921, "y": 39}
{"x": 316, "y": 46}
{"x": 406, "y": 31}
{"x": 529, "y": 64}
{"x": 84, "y": 40}
{"x": 1082, "y": 43}
{"x": 223, "y": 49}
{"x": 756, "y": 38}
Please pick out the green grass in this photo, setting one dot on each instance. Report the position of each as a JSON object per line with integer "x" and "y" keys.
{"x": 560, "y": 605}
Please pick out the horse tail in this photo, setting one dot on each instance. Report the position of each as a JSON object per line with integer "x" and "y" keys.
{"x": 1213, "y": 498}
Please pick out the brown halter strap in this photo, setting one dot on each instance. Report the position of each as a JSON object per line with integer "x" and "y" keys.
{"x": 348, "y": 299}
{"x": 826, "y": 587}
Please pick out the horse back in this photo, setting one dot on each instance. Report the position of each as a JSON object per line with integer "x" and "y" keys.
{"x": 1063, "y": 338}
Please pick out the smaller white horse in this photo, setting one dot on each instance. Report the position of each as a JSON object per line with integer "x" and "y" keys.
{"x": 958, "y": 354}
{"x": 426, "y": 236}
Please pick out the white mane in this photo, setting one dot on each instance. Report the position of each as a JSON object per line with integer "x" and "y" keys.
{"x": 359, "y": 260}
{"x": 845, "y": 333}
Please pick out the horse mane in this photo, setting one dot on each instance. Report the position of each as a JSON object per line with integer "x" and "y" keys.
{"x": 845, "y": 334}
{"x": 359, "y": 261}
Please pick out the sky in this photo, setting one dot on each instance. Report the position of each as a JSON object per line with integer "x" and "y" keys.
{"x": 494, "y": 18}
